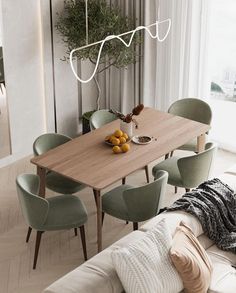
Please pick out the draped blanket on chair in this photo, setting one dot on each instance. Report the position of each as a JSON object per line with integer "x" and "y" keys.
{"x": 214, "y": 204}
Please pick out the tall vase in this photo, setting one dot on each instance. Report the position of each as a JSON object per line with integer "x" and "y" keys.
{"x": 127, "y": 128}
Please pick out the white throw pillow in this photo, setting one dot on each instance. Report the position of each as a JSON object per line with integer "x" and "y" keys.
{"x": 144, "y": 266}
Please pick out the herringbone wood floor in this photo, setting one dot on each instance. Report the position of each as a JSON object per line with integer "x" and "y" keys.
{"x": 60, "y": 252}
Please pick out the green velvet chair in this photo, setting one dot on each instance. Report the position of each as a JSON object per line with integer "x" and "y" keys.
{"x": 188, "y": 172}
{"x": 56, "y": 213}
{"x": 54, "y": 181}
{"x": 135, "y": 204}
{"x": 194, "y": 109}
{"x": 102, "y": 117}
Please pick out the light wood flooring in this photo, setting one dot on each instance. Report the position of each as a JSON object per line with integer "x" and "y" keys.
{"x": 60, "y": 252}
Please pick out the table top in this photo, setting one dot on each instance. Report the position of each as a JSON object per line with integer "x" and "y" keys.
{"x": 87, "y": 159}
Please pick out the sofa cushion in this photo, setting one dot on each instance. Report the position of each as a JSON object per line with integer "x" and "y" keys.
{"x": 145, "y": 266}
{"x": 173, "y": 219}
{"x": 224, "y": 275}
{"x": 190, "y": 260}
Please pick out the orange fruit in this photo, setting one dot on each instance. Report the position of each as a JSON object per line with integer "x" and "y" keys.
{"x": 125, "y": 147}
{"x": 107, "y": 138}
{"x": 116, "y": 149}
{"x": 111, "y": 138}
{"x": 122, "y": 140}
{"x": 115, "y": 141}
{"x": 118, "y": 133}
{"x": 125, "y": 135}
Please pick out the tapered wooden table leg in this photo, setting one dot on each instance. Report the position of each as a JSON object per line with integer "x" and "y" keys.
{"x": 42, "y": 175}
{"x": 201, "y": 141}
{"x": 99, "y": 218}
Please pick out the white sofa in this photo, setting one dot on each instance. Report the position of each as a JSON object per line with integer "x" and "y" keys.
{"x": 98, "y": 275}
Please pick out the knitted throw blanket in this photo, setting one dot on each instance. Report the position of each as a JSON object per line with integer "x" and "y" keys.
{"x": 214, "y": 204}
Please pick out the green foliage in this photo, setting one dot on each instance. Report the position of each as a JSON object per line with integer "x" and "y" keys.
{"x": 103, "y": 20}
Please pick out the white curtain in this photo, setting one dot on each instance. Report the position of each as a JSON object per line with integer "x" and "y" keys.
{"x": 176, "y": 68}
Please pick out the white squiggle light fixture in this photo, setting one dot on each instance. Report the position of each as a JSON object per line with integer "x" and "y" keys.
{"x": 127, "y": 44}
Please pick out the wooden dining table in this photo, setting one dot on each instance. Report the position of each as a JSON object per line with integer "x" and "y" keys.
{"x": 89, "y": 160}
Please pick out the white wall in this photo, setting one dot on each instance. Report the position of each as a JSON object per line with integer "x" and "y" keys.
{"x": 24, "y": 73}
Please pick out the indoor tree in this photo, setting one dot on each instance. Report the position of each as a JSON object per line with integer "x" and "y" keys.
{"x": 103, "y": 20}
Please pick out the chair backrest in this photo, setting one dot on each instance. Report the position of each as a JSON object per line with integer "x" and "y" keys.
{"x": 192, "y": 108}
{"x": 34, "y": 207}
{"x": 48, "y": 141}
{"x": 100, "y": 118}
{"x": 143, "y": 202}
{"x": 196, "y": 169}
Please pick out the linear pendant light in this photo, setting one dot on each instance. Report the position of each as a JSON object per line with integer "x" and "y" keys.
{"x": 111, "y": 37}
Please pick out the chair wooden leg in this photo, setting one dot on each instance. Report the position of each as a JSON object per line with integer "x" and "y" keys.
{"x": 147, "y": 173}
{"x": 76, "y": 233}
{"x": 187, "y": 189}
{"x": 171, "y": 154}
{"x": 123, "y": 180}
{"x": 95, "y": 198}
{"x": 82, "y": 235}
{"x": 37, "y": 244}
{"x": 176, "y": 189}
{"x": 135, "y": 226}
{"x": 166, "y": 156}
{"x": 103, "y": 215}
{"x": 28, "y": 234}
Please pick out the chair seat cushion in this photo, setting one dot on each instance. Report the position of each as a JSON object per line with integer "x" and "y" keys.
{"x": 61, "y": 184}
{"x": 65, "y": 212}
{"x": 113, "y": 202}
{"x": 170, "y": 165}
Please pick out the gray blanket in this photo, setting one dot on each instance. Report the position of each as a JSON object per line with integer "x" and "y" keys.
{"x": 214, "y": 204}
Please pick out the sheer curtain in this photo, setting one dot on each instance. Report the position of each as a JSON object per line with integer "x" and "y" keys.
{"x": 176, "y": 68}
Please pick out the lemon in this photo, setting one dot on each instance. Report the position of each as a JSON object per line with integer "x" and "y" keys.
{"x": 125, "y": 147}
{"x": 107, "y": 138}
{"x": 112, "y": 137}
{"x": 125, "y": 135}
{"x": 116, "y": 149}
{"x": 122, "y": 140}
{"x": 115, "y": 141}
{"x": 118, "y": 133}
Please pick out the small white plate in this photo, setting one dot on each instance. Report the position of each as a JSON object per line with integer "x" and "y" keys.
{"x": 140, "y": 139}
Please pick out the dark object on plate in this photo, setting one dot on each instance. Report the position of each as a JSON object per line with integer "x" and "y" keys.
{"x": 144, "y": 139}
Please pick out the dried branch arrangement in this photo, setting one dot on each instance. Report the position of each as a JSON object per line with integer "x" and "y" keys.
{"x": 129, "y": 117}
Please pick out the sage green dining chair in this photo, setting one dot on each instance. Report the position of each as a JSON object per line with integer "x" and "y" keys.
{"x": 188, "y": 172}
{"x": 56, "y": 213}
{"x": 135, "y": 204}
{"x": 102, "y": 117}
{"x": 194, "y": 109}
{"x": 54, "y": 181}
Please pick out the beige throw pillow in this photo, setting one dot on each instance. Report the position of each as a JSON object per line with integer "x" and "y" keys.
{"x": 190, "y": 260}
